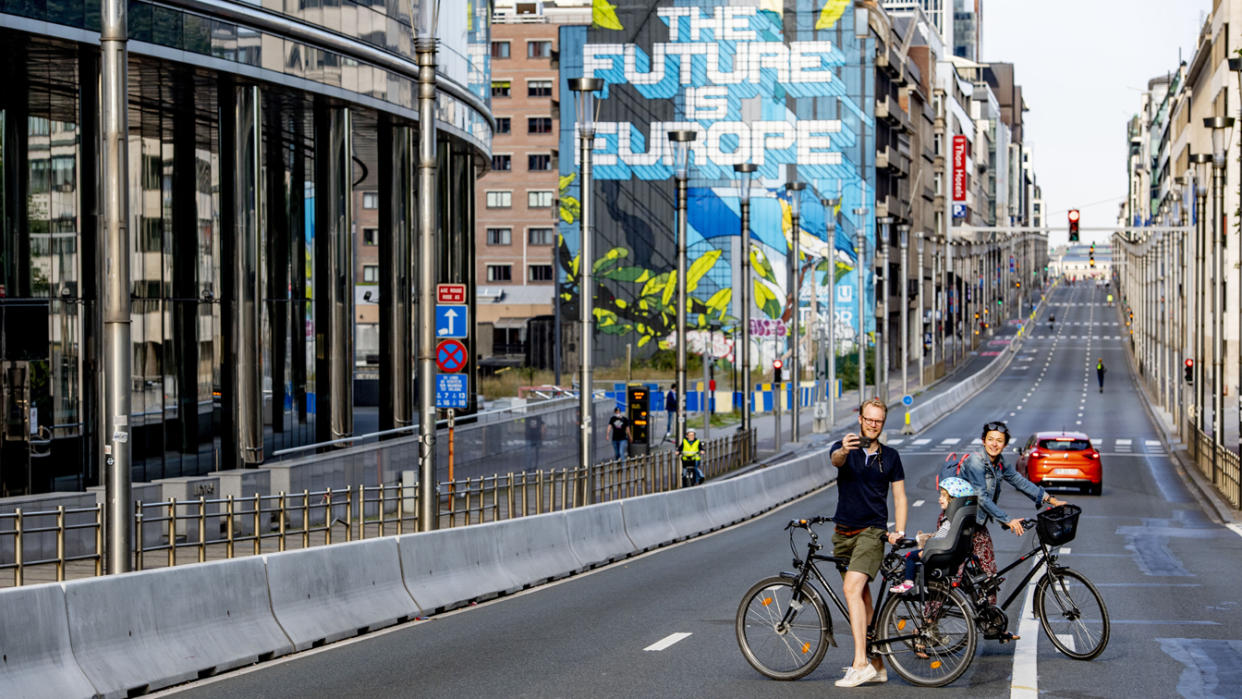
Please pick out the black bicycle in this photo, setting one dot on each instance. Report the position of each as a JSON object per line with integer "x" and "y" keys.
{"x": 1070, "y": 609}
{"x": 784, "y": 628}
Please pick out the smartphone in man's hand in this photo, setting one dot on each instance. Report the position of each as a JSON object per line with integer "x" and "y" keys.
{"x": 864, "y": 442}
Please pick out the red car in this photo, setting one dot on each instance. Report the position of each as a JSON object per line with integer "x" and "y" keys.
{"x": 1062, "y": 459}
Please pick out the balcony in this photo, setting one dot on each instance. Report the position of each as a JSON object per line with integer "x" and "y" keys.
{"x": 890, "y": 159}
{"x": 887, "y": 110}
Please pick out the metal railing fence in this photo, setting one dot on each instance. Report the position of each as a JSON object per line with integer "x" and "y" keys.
{"x": 177, "y": 532}
{"x": 1219, "y": 465}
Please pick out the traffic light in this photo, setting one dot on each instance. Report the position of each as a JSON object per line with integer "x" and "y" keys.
{"x": 1189, "y": 370}
{"x": 776, "y": 370}
{"x": 1073, "y": 225}
{"x": 1091, "y": 254}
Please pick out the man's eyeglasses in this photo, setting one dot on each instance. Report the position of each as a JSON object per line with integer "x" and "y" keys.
{"x": 873, "y": 421}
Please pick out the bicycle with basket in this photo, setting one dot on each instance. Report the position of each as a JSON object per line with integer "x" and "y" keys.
{"x": 1069, "y": 607}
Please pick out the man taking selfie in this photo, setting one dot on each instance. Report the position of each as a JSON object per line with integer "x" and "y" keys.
{"x": 865, "y": 470}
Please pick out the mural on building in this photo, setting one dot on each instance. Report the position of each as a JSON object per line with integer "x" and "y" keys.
{"x": 787, "y": 90}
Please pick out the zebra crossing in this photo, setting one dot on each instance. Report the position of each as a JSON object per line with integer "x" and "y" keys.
{"x": 1120, "y": 445}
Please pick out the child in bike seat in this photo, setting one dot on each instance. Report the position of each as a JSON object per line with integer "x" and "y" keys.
{"x": 951, "y": 489}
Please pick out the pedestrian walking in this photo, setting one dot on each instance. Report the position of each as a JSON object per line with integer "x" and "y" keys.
{"x": 670, "y": 408}
{"x": 619, "y": 433}
{"x": 866, "y": 470}
{"x": 1099, "y": 373}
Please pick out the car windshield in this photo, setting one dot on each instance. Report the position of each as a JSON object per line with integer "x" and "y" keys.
{"x": 1064, "y": 444}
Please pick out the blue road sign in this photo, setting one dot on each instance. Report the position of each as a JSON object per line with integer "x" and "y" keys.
{"x": 959, "y": 210}
{"x": 451, "y": 390}
{"x": 451, "y": 321}
{"x": 907, "y": 401}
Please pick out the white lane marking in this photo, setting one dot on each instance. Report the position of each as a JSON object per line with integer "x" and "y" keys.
{"x": 1025, "y": 682}
{"x": 921, "y": 441}
{"x": 668, "y": 640}
{"x": 895, "y": 442}
{"x": 919, "y": 503}
{"x": 1065, "y": 549}
{"x": 1123, "y": 442}
{"x": 1067, "y": 640}
{"x": 1151, "y": 442}
{"x": 950, "y": 440}
{"x": 976, "y": 440}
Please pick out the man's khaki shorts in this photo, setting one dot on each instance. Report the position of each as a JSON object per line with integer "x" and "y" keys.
{"x": 865, "y": 550}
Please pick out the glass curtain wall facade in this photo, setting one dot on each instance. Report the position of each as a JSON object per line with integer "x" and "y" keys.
{"x": 247, "y": 144}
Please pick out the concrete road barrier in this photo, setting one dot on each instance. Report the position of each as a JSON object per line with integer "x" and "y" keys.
{"x": 647, "y": 522}
{"x": 536, "y": 549}
{"x": 328, "y": 593}
{"x": 448, "y": 567}
{"x": 597, "y": 533}
{"x": 34, "y": 644}
{"x": 724, "y": 502}
{"x": 687, "y": 511}
{"x": 141, "y": 631}
{"x": 753, "y": 494}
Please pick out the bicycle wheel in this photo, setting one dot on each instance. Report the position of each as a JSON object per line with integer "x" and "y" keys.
{"x": 929, "y": 641}
{"x": 1072, "y": 614}
{"x": 782, "y": 635}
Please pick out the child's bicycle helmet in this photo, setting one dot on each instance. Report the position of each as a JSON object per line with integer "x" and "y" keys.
{"x": 957, "y": 487}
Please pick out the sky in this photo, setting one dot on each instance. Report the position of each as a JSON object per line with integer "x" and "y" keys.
{"x": 1083, "y": 66}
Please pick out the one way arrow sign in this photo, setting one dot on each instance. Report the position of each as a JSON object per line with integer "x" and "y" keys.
{"x": 451, "y": 321}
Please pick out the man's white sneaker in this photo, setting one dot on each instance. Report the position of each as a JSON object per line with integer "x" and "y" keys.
{"x": 881, "y": 676}
{"x": 854, "y": 676}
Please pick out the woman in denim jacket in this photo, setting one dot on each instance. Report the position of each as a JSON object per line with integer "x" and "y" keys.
{"x": 984, "y": 469}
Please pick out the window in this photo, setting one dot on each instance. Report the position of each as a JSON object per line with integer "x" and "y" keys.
{"x": 539, "y": 88}
{"x": 500, "y": 88}
{"x": 539, "y": 199}
{"x": 503, "y": 125}
{"x": 499, "y": 236}
{"x": 503, "y": 163}
{"x": 540, "y": 273}
{"x": 370, "y": 273}
{"x": 499, "y": 200}
{"x": 539, "y": 49}
{"x": 539, "y": 125}
{"x": 499, "y": 273}
{"x": 500, "y": 49}
{"x": 539, "y": 161}
{"x": 370, "y": 236}
{"x": 370, "y": 200}
{"x": 541, "y": 236}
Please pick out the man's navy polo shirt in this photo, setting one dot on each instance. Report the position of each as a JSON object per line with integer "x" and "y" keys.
{"x": 862, "y": 486}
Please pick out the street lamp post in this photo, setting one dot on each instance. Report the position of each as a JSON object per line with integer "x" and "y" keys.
{"x": 832, "y": 205}
{"x": 584, "y": 90}
{"x": 903, "y": 235}
{"x": 745, "y": 176}
{"x": 881, "y": 307}
{"x": 1235, "y": 65}
{"x": 860, "y": 258}
{"x": 425, "y": 50}
{"x": 1200, "y": 160}
{"x": 680, "y": 141}
{"x": 795, "y": 295}
{"x": 919, "y": 242}
{"x": 1219, "y": 126}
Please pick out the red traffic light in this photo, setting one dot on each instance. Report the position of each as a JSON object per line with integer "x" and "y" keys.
{"x": 1190, "y": 363}
{"x": 777, "y": 364}
{"x": 1073, "y": 225}
{"x": 1073, "y": 215}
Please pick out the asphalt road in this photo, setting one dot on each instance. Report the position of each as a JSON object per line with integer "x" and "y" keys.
{"x": 1167, "y": 572}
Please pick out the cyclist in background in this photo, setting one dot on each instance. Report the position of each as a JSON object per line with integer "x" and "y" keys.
{"x": 691, "y": 450}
